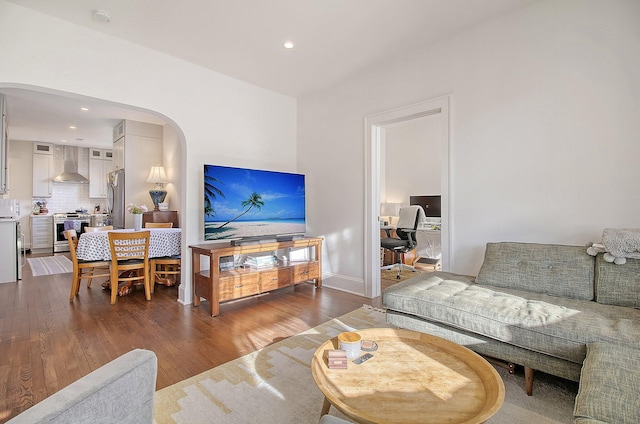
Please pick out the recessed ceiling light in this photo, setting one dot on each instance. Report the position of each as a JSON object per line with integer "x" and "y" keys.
{"x": 84, "y": 109}
{"x": 72, "y": 127}
{"x": 288, "y": 45}
{"x": 64, "y": 141}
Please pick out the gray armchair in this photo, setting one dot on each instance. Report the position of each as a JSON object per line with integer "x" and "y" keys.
{"x": 118, "y": 392}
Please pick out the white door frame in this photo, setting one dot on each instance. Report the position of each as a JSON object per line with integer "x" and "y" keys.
{"x": 374, "y": 137}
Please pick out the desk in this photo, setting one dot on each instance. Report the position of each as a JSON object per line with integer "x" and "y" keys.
{"x": 94, "y": 246}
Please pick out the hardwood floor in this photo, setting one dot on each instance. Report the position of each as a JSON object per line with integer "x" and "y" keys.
{"x": 47, "y": 342}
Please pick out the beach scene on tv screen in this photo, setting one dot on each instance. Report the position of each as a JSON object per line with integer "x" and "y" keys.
{"x": 249, "y": 203}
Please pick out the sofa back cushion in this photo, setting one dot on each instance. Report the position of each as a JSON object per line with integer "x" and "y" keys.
{"x": 556, "y": 270}
{"x": 122, "y": 391}
{"x": 618, "y": 284}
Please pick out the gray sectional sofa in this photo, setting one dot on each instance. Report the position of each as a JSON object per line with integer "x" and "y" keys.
{"x": 535, "y": 305}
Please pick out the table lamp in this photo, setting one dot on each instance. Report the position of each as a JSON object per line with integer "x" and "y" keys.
{"x": 159, "y": 177}
{"x": 389, "y": 210}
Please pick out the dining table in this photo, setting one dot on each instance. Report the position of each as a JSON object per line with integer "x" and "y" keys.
{"x": 94, "y": 245}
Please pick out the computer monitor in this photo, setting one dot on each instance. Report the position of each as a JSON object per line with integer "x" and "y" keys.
{"x": 430, "y": 204}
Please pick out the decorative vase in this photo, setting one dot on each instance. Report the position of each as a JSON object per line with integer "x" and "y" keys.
{"x": 137, "y": 221}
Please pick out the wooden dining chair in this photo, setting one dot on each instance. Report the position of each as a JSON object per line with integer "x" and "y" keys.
{"x": 158, "y": 225}
{"x": 164, "y": 270}
{"x": 83, "y": 269}
{"x": 103, "y": 228}
{"x": 129, "y": 252}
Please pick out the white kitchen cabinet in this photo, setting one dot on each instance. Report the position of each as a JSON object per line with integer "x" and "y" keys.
{"x": 98, "y": 170}
{"x": 128, "y": 135}
{"x": 138, "y": 148}
{"x": 100, "y": 163}
{"x": 41, "y": 233}
{"x": 142, "y": 129}
{"x": 118, "y": 154}
{"x": 43, "y": 148}
{"x": 42, "y": 173}
{"x": 103, "y": 154}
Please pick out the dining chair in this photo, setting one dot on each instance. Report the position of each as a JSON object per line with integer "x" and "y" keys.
{"x": 164, "y": 270}
{"x": 158, "y": 225}
{"x": 102, "y": 228}
{"x": 129, "y": 252}
{"x": 83, "y": 269}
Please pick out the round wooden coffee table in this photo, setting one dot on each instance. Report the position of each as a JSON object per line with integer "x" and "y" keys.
{"x": 411, "y": 378}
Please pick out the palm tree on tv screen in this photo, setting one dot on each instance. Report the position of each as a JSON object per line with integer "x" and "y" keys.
{"x": 210, "y": 193}
{"x": 255, "y": 200}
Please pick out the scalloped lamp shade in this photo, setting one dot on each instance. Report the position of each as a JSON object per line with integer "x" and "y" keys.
{"x": 159, "y": 177}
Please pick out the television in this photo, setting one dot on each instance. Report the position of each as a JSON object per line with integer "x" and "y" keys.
{"x": 430, "y": 204}
{"x": 252, "y": 204}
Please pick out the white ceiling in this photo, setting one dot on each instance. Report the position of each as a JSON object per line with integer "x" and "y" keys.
{"x": 44, "y": 117}
{"x": 334, "y": 39}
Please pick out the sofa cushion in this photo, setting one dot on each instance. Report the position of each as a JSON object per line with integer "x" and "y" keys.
{"x": 609, "y": 385}
{"x": 618, "y": 284}
{"x": 551, "y": 325}
{"x": 564, "y": 271}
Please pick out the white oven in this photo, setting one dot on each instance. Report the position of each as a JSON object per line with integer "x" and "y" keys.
{"x": 67, "y": 221}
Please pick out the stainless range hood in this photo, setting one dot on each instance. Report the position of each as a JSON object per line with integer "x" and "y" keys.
{"x": 70, "y": 174}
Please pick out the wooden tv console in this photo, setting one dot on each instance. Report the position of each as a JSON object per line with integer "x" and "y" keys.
{"x": 220, "y": 286}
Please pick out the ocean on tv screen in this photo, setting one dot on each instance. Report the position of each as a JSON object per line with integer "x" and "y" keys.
{"x": 248, "y": 203}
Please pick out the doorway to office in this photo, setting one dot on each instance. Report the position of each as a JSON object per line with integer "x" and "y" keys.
{"x": 376, "y": 127}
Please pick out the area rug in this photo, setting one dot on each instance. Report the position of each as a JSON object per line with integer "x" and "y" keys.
{"x": 48, "y": 265}
{"x": 391, "y": 274}
{"x": 274, "y": 386}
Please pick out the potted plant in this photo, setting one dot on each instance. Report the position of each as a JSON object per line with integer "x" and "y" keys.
{"x": 137, "y": 212}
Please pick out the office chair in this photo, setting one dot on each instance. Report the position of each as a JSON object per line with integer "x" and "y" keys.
{"x": 410, "y": 217}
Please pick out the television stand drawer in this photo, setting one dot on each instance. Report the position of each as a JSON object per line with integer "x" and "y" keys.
{"x": 237, "y": 287}
{"x": 275, "y": 279}
{"x": 305, "y": 272}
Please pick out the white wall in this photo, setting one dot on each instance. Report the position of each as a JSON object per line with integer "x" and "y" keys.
{"x": 221, "y": 120}
{"x": 544, "y": 132}
{"x": 172, "y": 152}
{"x": 411, "y": 159}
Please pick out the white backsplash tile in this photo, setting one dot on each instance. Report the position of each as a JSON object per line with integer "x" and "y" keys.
{"x": 67, "y": 197}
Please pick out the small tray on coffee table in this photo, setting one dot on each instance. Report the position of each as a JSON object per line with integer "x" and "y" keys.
{"x": 368, "y": 346}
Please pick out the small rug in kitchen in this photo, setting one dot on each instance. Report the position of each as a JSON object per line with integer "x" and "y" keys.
{"x": 48, "y": 265}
